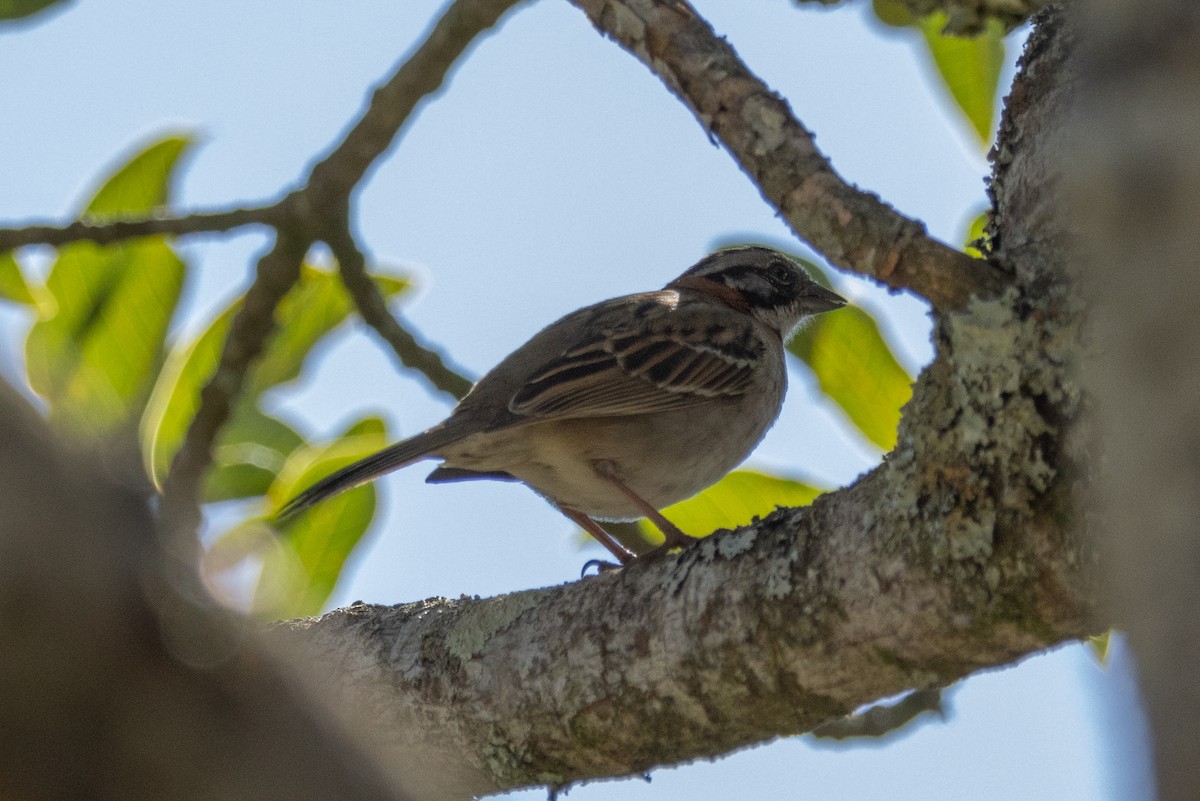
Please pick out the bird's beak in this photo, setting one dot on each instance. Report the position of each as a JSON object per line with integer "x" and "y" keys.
{"x": 819, "y": 299}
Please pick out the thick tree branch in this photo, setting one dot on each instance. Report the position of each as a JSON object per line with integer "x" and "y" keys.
{"x": 103, "y": 233}
{"x": 371, "y": 305}
{"x": 119, "y": 683}
{"x": 766, "y": 631}
{"x": 853, "y": 229}
{"x": 1133, "y": 188}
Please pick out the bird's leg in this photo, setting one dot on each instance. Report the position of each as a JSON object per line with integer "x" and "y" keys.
{"x": 623, "y": 554}
{"x": 673, "y": 537}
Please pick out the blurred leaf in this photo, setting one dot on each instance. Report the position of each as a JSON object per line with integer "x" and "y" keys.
{"x": 298, "y": 578}
{"x": 12, "y": 281}
{"x": 1100, "y": 645}
{"x": 975, "y": 242}
{"x": 313, "y": 308}
{"x": 733, "y": 501}
{"x": 106, "y": 308}
{"x": 969, "y": 68}
{"x": 250, "y": 451}
{"x": 855, "y": 367}
{"x": 19, "y": 9}
{"x": 892, "y": 13}
{"x": 176, "y": 395}
{"x": 141, "y": 185}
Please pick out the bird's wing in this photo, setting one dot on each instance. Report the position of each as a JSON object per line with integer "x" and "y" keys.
{"x": 664, "y": 355}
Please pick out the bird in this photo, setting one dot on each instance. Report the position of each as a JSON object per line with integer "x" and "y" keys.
{"x": 627, "y": 406}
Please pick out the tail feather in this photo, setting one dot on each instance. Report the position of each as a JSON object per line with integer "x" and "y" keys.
{"x": 393, "y": 457}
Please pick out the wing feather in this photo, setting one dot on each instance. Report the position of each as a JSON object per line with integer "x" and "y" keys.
{"x": 672, "y": 358}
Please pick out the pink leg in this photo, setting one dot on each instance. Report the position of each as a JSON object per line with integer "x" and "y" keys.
{"x": 623, "y": 554}
{"x": 673, "y": 537}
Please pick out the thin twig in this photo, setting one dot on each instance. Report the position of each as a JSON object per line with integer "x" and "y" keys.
{"x": 335, "y": 176}
{"x": 853, "y": 229}
{"x": 321, "y": 205}
{"x": 278, "y": 271}
{"x": 371, "y": 305}
{"x": 103, "y": 233}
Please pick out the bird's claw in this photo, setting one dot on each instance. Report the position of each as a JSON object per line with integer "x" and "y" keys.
{"x": 600, "y": 565}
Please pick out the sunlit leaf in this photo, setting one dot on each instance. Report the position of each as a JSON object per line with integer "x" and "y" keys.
{"x": 13, "y": 286}
{"x": 106, "y": 308}
{"x": 141, "y": 185}
{"x": 975, "y": 241}
{"x": 1101, "y": 645}
{"x": 969, "y": 68}
{"x": 857, "y": 370}
{"x": 314, "y": 307}
{"x": 733, "y": 501}
{"x": 298, "y": 578}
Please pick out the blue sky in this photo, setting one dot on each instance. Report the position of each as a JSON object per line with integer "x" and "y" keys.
{"x": 552, "y": 172}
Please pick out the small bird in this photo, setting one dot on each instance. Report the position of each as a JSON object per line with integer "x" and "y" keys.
{"x": 622, "y": 408}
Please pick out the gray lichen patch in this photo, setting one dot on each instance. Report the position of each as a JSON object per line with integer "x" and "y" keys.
{"x": 978, "y": 424}
{"x": 479, "y": 622}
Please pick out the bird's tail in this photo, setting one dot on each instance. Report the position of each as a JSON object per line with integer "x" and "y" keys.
{"x": 391, "y": 458}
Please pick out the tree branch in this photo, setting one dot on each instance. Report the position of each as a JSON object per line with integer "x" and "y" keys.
{"x": 421, "y": 75}
{"x": 851, "y": 228}
{"x": 321, "y": 205}
{"x": 103, "y": 233}
{"x": 278, "y": 271}
{"x": 369, "y": 300}
{"x": 765, "y": 631}
{"x": 189, "y": 703}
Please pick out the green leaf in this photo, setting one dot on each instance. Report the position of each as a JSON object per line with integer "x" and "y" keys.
{"x": 141, "y": 185}
{"x": 1100, "y": 645}
{"x": 857, "y": 370}
{"x": 176, "y": 395}
{"x": 298, "y": 578}
{"x": 969, "y": 68}
{"x": 316, "y": 306}
{"x": 733, "y": 501}
{"x": 313, "y": 308}
{"x": 19, "y": 9}
{"x": 106, "y": 308}
{"x": 892, "y": 13}
{"x": 250, "y": 451}
{"x": 13, "y": 286}
{"x": 975, "y": 241}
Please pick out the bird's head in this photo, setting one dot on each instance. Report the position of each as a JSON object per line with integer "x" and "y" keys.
{"x": 761, "y": 282}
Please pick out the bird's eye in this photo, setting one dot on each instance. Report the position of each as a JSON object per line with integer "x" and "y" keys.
{"x": 781, "y": 273}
